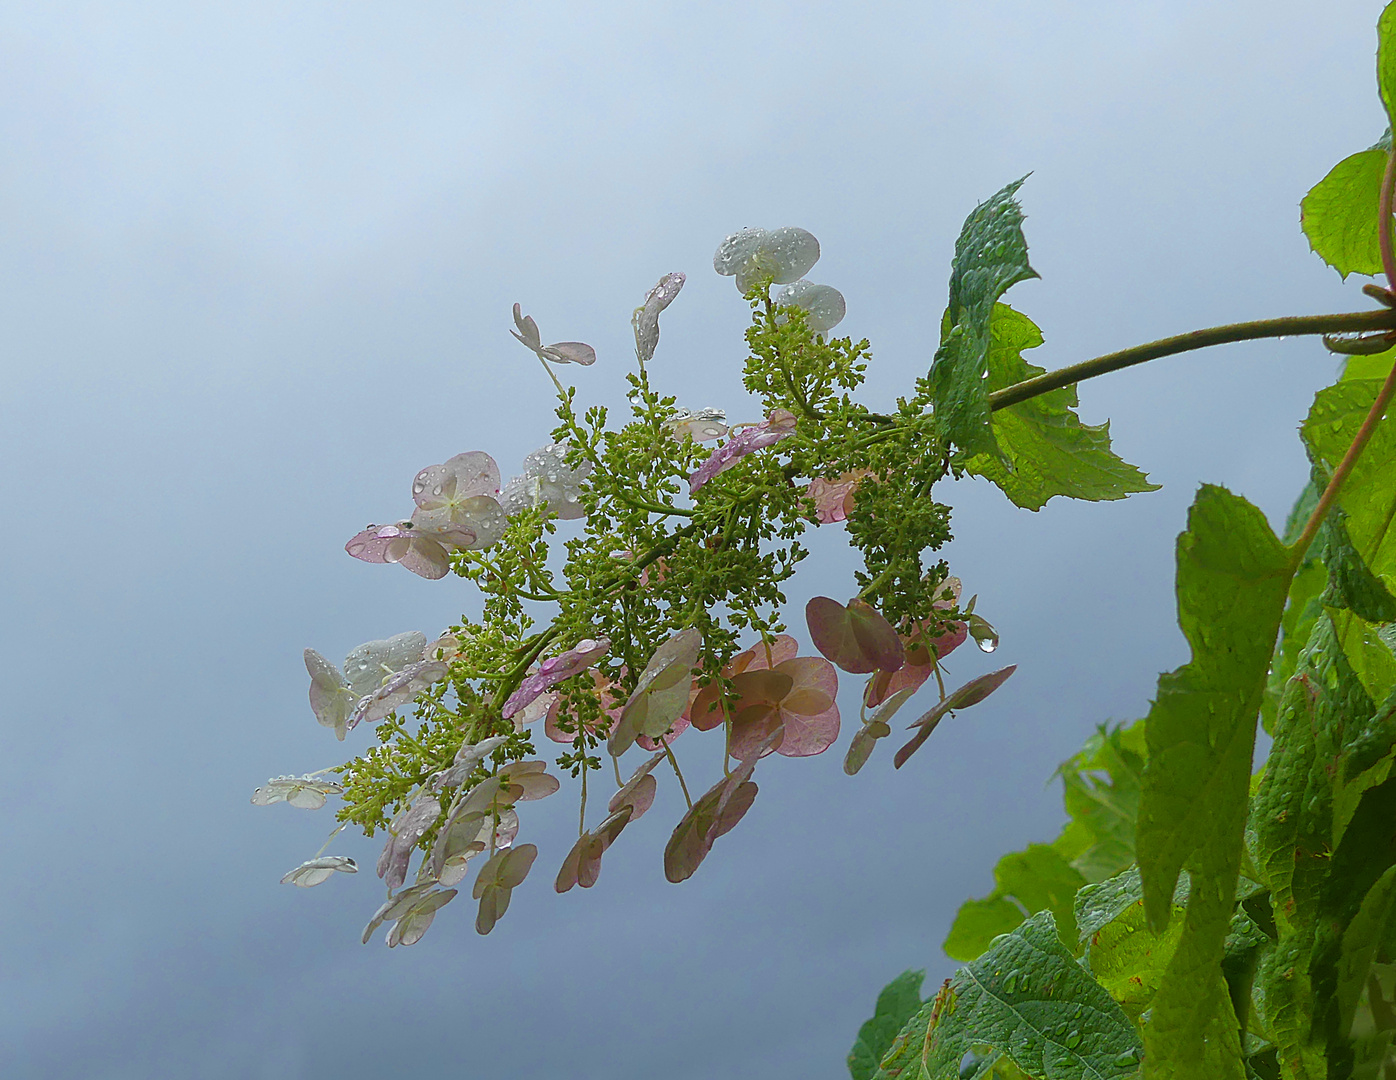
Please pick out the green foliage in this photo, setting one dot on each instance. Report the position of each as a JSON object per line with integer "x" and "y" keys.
{"x": 1025, "y": 882}
{"x": 1339, "y": 214}
{"x": 897, "y": 1003}
{"x": 990, "y": 256}
{"x": 1026, "y": 999}
{"x": 1102, "y": 797}
{"x": 1045, "y": 450}
{"x": 1233, "y": 579}
{"x": 1102, "y": 784}
{"x": 1121, "y": 951}
{"x": 1351, "y": 584}
{"x": 1386, "y": 61}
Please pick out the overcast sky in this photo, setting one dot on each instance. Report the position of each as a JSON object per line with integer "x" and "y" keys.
{"x": 256, "y": 263}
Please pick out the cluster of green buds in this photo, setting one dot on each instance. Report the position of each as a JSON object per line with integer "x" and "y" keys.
{"x": 659, "y": 612}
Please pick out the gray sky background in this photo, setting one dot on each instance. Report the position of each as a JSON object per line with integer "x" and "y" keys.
{"x": 256, "y": 262}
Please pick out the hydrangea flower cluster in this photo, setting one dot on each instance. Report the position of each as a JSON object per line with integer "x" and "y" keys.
{"x": 665, "y": 616}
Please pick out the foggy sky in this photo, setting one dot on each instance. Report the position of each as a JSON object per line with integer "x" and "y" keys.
{"x": 256, "y": 264}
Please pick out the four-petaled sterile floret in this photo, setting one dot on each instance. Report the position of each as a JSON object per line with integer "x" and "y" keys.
{"x": 315, "y": 871}
{"x": 700, "y": 425}
{"x": 775, "y": 255}
{"x": 456, "y": 511}
{"x": 824, "y": 305}
{"x": 305, "y": 792}
{"x": 547, "y": 480}
{"x": 561, "y": 352}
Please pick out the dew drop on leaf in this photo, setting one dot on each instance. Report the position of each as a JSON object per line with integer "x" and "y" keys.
{"x": 1073, "y": 1040}
{"x": 1127, "y": 1058}
{"x": 1010, "y": 984}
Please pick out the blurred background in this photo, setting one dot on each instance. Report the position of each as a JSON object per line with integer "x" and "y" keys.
{"x": 256, "y": 264}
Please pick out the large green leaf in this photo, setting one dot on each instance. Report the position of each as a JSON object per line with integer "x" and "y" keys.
{"x": 1045, "y": 449}
{"x": 1025, "y": 882}
{"x": 898, "y": 1002}
{"x": 1368, "y": 500}
{"x": 1359, "y": 865}
{"x": 1102, "y": 799}
{"x": 1386, "y": 60}
{"x": 1322, "y": 839}
{"x": 1361, "y": 940}
{"x": 1233, "y": 578}
{"x": 1125, "y": 956}
{"x": 1339, "y": 215}
{"x": 1029, "y": 1000}
{"x": 1369, "y": 496}
{"x": 1351, "y": 583}
{"x": 990, "y": 256}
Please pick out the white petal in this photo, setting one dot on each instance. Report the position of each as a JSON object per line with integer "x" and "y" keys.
{"x": 367, "y": 665}
{"x": 314, "y": 871}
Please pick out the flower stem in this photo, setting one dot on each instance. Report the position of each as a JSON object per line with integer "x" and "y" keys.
{"x": 1349, "y": 322}
{"x": 582, "y": 822}
{"x": 677, "y": 771}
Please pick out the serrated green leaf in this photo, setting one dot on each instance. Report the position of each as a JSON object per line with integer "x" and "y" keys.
{"x": 1358, "y": 864}
{"x": 1127, "y": 959}
{"x": 1285, "y": 1001}
{"x": 1033, "y": 880}
{"x": 1360, "y": 943}
{"x": 1045, "y": 450}
{"x": 1317, "y": 824}
{"x": 1027, "y": 999}
{"x": 1351, "y": 584}
{"x": 1102, "y": 798}
{"x": 1377, "y": 366}
{"x": 1297, "y": 818}
{"x": 1100, "y": 904}
{"x": 977, "y": 923}
{"x": 1233, "y": 579}
{"x": 1386, "y": 60}
{"x": 1369, "y": 497}
{"x": 1339, "y": 214}
{"x": 897, "y": 1003}
{"x": 990, "y": 256}
{"x": 1368, "y": 500}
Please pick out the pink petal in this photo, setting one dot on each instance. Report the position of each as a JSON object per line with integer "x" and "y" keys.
{"x": 551, "y": 672}
{"x": 371, "y": 545}
{"x": 676, "y": 729}
{"x": 571, "y": 352}
{"x": 857, "y": 638}
{"x": 833, "y": 499}
{"x": 815, "y": 683}
{"x": 583, "y": 863}
{"x": 779, "y": 424}
{"x": 403, "y": 837}
{"x": 973, "y": 692}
